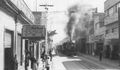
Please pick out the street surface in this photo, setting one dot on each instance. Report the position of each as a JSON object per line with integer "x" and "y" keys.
{"x": 78, "y": 63}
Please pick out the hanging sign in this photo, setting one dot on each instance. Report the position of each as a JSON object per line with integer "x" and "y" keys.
{"x": 33, "y": 31}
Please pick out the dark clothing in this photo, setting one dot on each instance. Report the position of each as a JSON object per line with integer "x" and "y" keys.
{"x": 43, "y": 55}
{"x": 100, "y": 56}
{"x": 16, "y": 64}
{"x": 50, "y": 54}
{"x": 33, "y": 60}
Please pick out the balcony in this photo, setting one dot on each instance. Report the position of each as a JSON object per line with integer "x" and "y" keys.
{"x": 112, "y": 18}
{"x": 114, "y": 35}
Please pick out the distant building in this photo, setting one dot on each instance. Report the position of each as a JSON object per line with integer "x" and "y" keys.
{"x": 90, "y": 37}
{"x": 95, "y": 32}
{"x": 112, "y": 27}
{"x": 99, "y": 32}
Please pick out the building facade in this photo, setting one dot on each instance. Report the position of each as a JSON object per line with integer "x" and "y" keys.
{"x": 112, "y": 28}
{"x": 13, "y": 15}
{"x": 90, "y": 45}
{"x": 99, "y": 32}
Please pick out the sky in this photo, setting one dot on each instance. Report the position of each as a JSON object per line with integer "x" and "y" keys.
{"x": 57, "y": 20}
{"x": 63, "y": 4}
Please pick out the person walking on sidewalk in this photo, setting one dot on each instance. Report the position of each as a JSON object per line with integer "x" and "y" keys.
{"x": 119, "y": 58}
{"x": 100, "y": 55}
{"x": 33, "y": 63}
{"x": 50, "y": 54}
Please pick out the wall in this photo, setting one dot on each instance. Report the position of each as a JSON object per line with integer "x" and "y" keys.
{"x": 109, "y": 3}
{"x": 1, "y": 45}
{"x": 112, "y": 35}
{"x": 6, "y": 22}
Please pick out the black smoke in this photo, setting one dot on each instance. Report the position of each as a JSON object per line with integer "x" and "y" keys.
{"x": 79, "y": 17}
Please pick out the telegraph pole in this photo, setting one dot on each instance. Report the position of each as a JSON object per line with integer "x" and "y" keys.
{"x": 46, "y": 37}
{"x": 119, "y": 31}
{"x": 119, "y": 26}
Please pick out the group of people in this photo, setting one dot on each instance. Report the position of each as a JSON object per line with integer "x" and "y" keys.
{"x": 45, "y": 56}
{"x": 33, "y": 62}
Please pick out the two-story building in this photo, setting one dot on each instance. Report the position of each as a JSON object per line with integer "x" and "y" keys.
{"x": 96, "y": 33}
{"x": 112, "y": 27}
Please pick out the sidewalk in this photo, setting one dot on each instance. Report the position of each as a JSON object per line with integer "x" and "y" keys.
{"x": 105, "y": 61}
{"x": 57, "y": 63}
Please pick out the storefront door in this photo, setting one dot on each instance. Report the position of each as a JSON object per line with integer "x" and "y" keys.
{"x": 8, "y": 51}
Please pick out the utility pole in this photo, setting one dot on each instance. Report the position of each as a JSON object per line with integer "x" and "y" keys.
{"x": 119, "y": 26}
{"x": 46, "y": 37}
{"x": 119, "y": 32}
{"x": 36, "y": 5}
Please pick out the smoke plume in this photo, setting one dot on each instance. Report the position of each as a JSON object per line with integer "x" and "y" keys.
{"x": 79, "y": 16}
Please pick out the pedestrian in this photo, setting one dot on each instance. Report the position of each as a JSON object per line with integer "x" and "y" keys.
{"x": 27, "y": 60}
{"x": 50, "y": 54}
{"x": 119, "y": 58}
{"x": 43, "y": 55}
{"x": 33, "y": 63}
{"x": 100, "y": 55}
{"x": 46, "y": 62}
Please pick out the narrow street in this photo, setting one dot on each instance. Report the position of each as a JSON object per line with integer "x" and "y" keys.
{"x": 60, "y": 34}
{"x": 79, "y": 63}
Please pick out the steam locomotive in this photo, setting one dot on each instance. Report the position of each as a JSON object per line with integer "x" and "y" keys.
{"x": 68, "y": 48}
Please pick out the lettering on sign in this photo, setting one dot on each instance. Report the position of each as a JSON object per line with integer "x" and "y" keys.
{"x": 33, "y": 31}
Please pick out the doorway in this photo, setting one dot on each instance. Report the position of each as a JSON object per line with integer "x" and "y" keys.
{"x": 8, "y": 50}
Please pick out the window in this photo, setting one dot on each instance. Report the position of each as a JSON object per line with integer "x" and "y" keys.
{"x": 96, "y": 25}
{"x": 107, "y": 13}
{"x": 111, "y": 11}
{"x": 118, "y": 5}
{"x": 115, "y": 9}
{"x": 107, "y": 31}
{"x": 113, "y": 30}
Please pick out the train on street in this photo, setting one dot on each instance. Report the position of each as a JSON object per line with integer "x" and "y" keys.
{"x": 68, "y": 48}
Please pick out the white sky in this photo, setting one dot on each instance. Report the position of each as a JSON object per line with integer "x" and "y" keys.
{"x": 63, "y": 4}
{"x": 58, "y": 21}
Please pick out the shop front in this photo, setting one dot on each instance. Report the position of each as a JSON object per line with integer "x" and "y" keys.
{"x": 112, "y": 48}
{"x": 98, "y": 44}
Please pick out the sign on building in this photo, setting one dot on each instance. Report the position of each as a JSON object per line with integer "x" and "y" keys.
{"x": 33, "y": 32}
